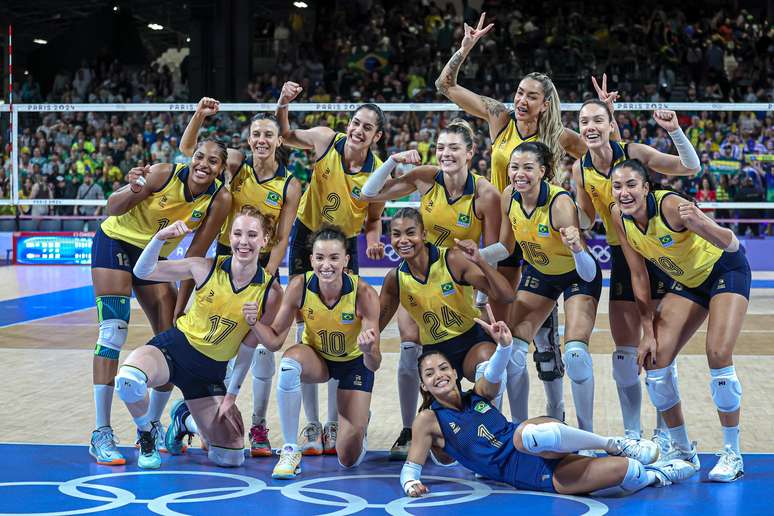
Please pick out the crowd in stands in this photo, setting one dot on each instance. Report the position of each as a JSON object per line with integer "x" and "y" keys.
{"x": 667, "y": 55}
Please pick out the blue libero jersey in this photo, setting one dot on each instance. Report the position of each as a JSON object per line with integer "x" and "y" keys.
{"x": 478, "y": 437}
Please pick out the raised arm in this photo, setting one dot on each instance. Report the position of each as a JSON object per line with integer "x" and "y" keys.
{"x": 206, "y": 107}
{"x": 317, "y": 138}
{"x": 142, "y": 182}
{"x": 389, "y": 299}
{"x": 148, "y": 266}
{"x": 685, "y": 163}
{"x": 488, "y": 386}
{"x": 273, "y": 335}
{"x": 642, "y": 294}
{"x": 368, "y": 310}
{"x": 474, "y": 104}
{"x": 284, "y": 225}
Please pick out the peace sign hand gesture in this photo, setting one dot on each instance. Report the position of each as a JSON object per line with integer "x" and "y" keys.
{"x": 608, "y": 97}
{"x": 473, "y": 35}
{"x": 498, "y": 330}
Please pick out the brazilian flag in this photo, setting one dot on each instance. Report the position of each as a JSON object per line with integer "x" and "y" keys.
{"x": 273, "y": 199}
{"x": 368, "y": 61}
{"x": 463, "y": 220}
{"x": 196, "y": 216}
{"x": 666, "y": 240}
{"x": 447, "y": 288}
{"x": 543, "y": 230}
{"x": 347, "y": 318}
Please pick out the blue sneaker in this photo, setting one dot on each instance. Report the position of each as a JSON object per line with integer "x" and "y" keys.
{"x": 149, "y": 457}
{"x": 177, "y": 431}
{"x": 103, "y": 447}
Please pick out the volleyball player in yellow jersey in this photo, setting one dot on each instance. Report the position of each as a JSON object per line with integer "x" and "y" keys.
{"x": 711, "y": 277}
{"x": 542, "y": 219}
{"x": 261, "y": 181}
{"x": 435, "y": 286}
{"x": 455, "y": 204}
{"x": 232, "y": 293}
{"x": 154, "y": 197}
{"x": 536, "y": 117}
{"x": 334, "y": 197}
{"x": 340, "y": 340}
{"x": 595, "y": 196}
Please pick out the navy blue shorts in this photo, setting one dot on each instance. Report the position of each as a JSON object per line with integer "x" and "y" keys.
{"x": 456, "y": 348}
{"x": 533, "y": 473}
{"x": 516, "y": 259}
{"x": 352, "y": 375}
{"x": 194, "y": 373}
{"x": 730, "y": 274}
{"x": 110, "y": 253}
{"x": 301, "y": 250}
{"x": 621, "y": 278}
{"x": 553, "y": 286}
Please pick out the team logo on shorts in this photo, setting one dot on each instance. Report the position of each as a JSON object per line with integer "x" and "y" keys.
{"x": 482, "y": 407}
{"x": 357, "y": 381}
{"x": 347, "y": 318}
{"x": 543, "y": 230}
{"x": 196, "y": 216}
{"x": 666, "y": 240}
{"x": 463, "y": 220}
{"x": 356, "y": 193}
{"x": 447, "y": 289}
{"x": 273, "y": 199}
{"x": 721, "y": 284}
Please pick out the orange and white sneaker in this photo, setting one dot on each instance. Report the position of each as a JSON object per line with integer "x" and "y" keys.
{"x": 330, "y": 431}
{"x": 103, "y": 447}
{"x": 259, "y": 441}
{"x": 311, "y": 439}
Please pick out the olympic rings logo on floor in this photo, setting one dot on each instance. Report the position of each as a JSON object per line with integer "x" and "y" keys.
{"x": 350, "y": 503}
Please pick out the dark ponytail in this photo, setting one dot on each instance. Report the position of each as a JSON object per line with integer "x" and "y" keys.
{"x": 281, "y": 153}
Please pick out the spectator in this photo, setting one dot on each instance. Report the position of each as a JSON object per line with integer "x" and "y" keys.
{"x": 749, "y": 193}
{"x": 89, "y": 191}
{"x": 706, "y": 193}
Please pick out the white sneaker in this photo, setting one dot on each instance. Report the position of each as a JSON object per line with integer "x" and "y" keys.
{"x": 672, "y": 471}
{"x": 289, "y": 464}
{"x": 730, "y": 466}
{"x": 641, "y": 450}
{"x": 663, "y": 441}
{"x": 588, "y": 453}
{"x": 677, "y": 453}
{"x": 329, "y": 434}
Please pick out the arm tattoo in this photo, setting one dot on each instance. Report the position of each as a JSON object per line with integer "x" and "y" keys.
{"x": 493, "y": 107}
{"x": 449, "y": 73}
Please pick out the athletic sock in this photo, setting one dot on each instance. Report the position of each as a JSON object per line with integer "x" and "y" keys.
{"x": 158, "y": 400}
{"x": 333, "y": 405}
{"x": 103, "y": 400}
{"x": 731, "y": 438}
{"x": 311, "y": 403}
{"x": 679, "y": 436}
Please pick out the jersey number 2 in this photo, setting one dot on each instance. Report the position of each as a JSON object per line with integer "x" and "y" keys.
{"x": 334, "y": 201}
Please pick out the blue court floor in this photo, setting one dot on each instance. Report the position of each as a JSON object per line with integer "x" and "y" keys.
{"x": 54, "y": 480}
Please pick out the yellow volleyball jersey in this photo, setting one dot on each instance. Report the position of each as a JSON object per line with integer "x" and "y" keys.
{"x": 508, "y": 139}
{"x": 685, "y": 256}
{"x": 214, "y": 325}
{"x": 333, "y": 194}
{"x": 267, "y": 196}
{"x": 599, "y": 187}
{"x": 447, "y": 219}
{"x": 171, "y": 203}
{"x": 441, "y": 307}
{"x": 331, "y": 331}
{"x": 535, "y": 233}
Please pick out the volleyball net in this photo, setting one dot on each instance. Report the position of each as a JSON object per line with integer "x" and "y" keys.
{"x": 26, "y": 119}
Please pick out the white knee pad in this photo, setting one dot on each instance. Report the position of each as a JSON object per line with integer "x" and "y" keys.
{"x": 541, "y": 438}
{"x": 517, "y": 364}
{"x": 290, "y": 375}
{"x": 726, "y": 389}
{"x": 131, "y": 384}
{"x": 409, "y": 354}
{"x": 625, "y": 368}
{"x": 577, "y": 361}
{"x": 662, "y": 388}
{"x": 225, "y": 457}
{"x": 263, "y": 363}
{"x": 112, "y": 334}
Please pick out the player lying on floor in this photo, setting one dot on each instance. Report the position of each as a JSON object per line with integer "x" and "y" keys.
{"x": 539, "y": 454}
